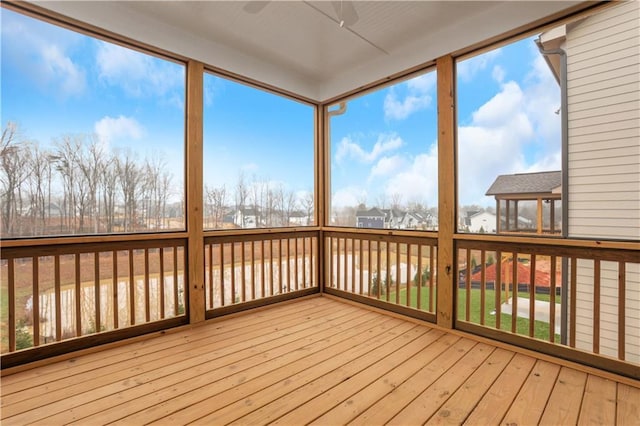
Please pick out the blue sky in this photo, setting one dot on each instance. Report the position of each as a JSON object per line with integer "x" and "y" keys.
{"x": 56, "y": 82}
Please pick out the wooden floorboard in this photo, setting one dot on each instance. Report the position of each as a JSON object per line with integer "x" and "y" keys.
{"x": 314, "y": 361}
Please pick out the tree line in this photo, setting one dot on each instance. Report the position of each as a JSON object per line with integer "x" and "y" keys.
{"x": 79, "y": 185}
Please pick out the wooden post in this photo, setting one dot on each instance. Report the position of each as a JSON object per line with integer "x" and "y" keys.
{"x": 539, "y": 217}
{"x": 446, "y": 192}
{"x": 194, "y": 192}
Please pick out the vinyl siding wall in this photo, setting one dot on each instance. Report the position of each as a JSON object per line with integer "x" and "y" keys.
{"x": 603, "y": 83}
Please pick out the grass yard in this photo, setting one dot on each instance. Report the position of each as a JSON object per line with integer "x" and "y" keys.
{"x": 541, "y": 328}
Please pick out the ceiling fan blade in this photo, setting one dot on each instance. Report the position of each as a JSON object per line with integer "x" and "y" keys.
{"x": 345, "y": 11}
{"x": 254, "y": 7}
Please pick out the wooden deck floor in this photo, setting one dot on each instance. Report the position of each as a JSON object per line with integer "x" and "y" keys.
{"x": 316, "y": 360}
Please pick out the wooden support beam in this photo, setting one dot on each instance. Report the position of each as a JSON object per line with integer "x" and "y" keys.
{"x": 446, "y": 192}
{"x": 194, "y": 192}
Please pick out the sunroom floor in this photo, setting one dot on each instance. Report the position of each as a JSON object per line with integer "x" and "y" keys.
{"x": 315, "y": 360}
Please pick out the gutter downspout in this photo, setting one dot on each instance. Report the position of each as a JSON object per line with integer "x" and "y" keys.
{"x": 565, "y": 181}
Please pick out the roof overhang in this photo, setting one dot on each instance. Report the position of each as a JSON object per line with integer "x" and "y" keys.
{"x": 299, "y": 46}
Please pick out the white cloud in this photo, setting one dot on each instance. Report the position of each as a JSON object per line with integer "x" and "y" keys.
{"x": 498, "y": 73}
{"x": 350, "y": 196}
{"x": 349, "y": 149}
{"x": 468, "y": 68}
{"x": 418, "y": 182}
{"x": 418, "y": 97}
{"x": 386, "y": 166}
{"x": 137, "y": 74}
{"x": 400, "y": 109}
{"x": 120, "y": 129}
{"x": 41, "y": 52}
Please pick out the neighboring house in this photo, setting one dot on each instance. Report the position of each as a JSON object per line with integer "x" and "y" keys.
{"x": 528, "y": 202}
{"x": 603, "y": 194}
{"x": 481, "y": 222}
{"x": 298, "y": 218}
{"x": 370, "y": 218}
{"x": 247, "y": 218}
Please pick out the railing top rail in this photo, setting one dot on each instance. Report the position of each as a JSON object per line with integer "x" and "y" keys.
{"x": 426, "y": 237}
{"x": 259, "y": 234}
{"x": 547, "y": 241}
{"x": 64, "y": 248}
{"x": 608, "y": 252}
{"x": 87, "y": 239}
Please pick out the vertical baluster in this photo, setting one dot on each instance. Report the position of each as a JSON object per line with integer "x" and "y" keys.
{"x": 305, "y": 255}
{"x": 288, "y": 263}
{"x": 271, "y": 261}
{"x": 114, "y": 272}
{"x": 295, "y": 257}
{"x": 467, "y": 282}
{"x": 419, "y": 283}
{"x": 132, "y": 289}
{"x": 345, "y": 275}
{"x": 388, "y": 274}
{"x": 408, "y": 286}
{"x": 361, "y": 278}
{"x": 378, "y": 271}
{"x": 398, "y": 275}
{"x": 483, "y": 285}
{"x": 147, "y": 296}
{"x": 514, "y": 292}
{"x": 369, "y": 271}
{"x": 161, "y": 283}
{"x": 262, "y": 266}
{"x": 572, "y": 302}
{"x": 532, "y": 295}
{"x": 209, "y": 251}
{"x": 222, "y": 274}
{"x": 233, "y": 273}
{"x": 96, "y": 290}
{"x": 498, "y": 287}
{"x": 622, "y": 272}
{"x": 11, "y": 282}
{"x": 253, "y": 270}
{"x": 58, "y": 291}
{"x": 596, "y": 306}
{"x": 280, "y": 269}
{"x": 431, "y": 273}
{"x": 176, "y": 300}
{"x": 243, "y": 289}
{"x": 353, "y": 265}
{"x": 36, "y": 300}
{"x": 552, "y": 300}
{"x": 78, "y": 298}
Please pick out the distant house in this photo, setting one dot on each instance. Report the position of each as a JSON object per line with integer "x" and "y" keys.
{"x": 371, "y": 218}
{"x": 247, "y": 218}
{"x": 481, "y": 222}
{"x": 528, "y": 202}
{"x": 298, "y": 218}
{"x": 392, "y": 219}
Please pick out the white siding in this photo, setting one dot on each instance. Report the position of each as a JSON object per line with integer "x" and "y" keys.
{"x": 603, "y": 85}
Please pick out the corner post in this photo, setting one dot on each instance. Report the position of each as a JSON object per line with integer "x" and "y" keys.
{"x": 194, "y": 192}
{"x": 445, "y": 303}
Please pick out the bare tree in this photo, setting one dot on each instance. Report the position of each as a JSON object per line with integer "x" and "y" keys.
{"x": 242, "y": 193}
{"x": 13, "y": 173}
{"x": 129, "y": 178}
{"x": 308, "y": 203}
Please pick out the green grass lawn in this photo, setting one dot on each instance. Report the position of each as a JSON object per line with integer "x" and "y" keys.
{"x": 540, "y": 328}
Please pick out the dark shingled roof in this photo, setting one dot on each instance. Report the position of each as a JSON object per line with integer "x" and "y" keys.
{"x": 526, "y": 183}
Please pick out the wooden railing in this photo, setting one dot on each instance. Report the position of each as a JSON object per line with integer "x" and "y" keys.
{"x": 566, "y": 295}
{"x": 62, "y": 291}
{"x": 397, "y": 271}
{"x": 240, "y": 269}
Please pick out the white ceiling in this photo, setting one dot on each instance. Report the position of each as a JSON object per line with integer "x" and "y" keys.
{"x": 299, "y": 46}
